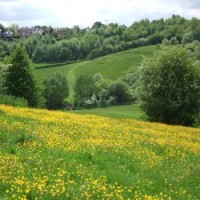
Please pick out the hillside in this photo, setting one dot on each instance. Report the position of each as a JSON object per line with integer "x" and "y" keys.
{"x": 118, "y": 112}
{"x": 56, "y": 155}
{"x": 48, "y": 44}
{"x": 112, "y": 67}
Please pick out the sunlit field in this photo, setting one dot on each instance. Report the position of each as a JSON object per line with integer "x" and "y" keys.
{"x": 58, "y": 155}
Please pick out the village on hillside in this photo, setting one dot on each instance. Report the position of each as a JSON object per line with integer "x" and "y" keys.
{"x": 24, "y": 32}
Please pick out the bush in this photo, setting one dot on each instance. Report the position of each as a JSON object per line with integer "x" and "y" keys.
{"x": 84, "y": 89}
{"x": 169, "y": 88}
{"x": 91, "y": 103}
{"x": 131, "y": 79}
{"x": 3, "y": 72}
{"x": 120, "y": 91}
{"x": 13, "y": 101}
{"x": 55, "y": 91}
{"x": 156, "y": 38}
{"x": 197, "y": 121}
{"x": 98, "y": 77}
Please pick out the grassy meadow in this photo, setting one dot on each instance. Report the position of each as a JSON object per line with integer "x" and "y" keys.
{"x": 112, "y": 67}
{"x": 58, "y": 155}
{"x": 118, "y": 112}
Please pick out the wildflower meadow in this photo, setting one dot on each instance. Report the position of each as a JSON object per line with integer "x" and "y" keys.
{"x": 58, "y": 155}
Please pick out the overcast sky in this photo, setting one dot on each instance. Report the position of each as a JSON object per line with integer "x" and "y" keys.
{"x": 67, "y": 13}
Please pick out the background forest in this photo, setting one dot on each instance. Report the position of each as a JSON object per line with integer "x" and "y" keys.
{"x": 166, "y": 83}
{"x": 72, "y": 44}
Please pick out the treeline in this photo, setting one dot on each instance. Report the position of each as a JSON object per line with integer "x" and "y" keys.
{"x": 18, "y": 87}
{"x": 167, "y": 86}
{"x": 69, "y": 44}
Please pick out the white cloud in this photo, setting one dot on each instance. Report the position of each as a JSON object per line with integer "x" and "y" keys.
{"x": 85, "y": 13}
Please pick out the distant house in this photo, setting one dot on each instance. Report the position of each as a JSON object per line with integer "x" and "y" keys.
{"x": 8, "y": 34}
{"x": 47, "y": 30}
{"x": 1, "y": 32}
{"x": 25, "y": 32}
{"x": 37, "y": 30}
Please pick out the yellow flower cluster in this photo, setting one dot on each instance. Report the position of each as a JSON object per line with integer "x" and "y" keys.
{"x": 57, "y": 155}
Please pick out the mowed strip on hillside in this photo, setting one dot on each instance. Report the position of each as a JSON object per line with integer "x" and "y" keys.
{"x": 111, "y": 67}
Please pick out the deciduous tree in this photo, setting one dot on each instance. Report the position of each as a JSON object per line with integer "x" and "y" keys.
{"x": 170, "y": 86}
{"x": 55, "y": 91}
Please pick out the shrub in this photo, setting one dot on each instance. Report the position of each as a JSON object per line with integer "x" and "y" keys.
{"x": 84, "y": 89}
{"x": 91, "y": 103}
{"x": 131, "y": 80}
{"x": 197, "y": 121}
{"x": 55, "y": 91}
{"x": 104, "y": 99}
{"x": 13, "y": 101}
{"x": 3, "y": 72}
{"x": 120, "y": 91}
{"x": 98, "y": 77}
{"x": 156, "y": 38}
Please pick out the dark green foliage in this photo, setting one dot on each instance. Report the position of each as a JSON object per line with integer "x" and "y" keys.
{"x": 195, "y": 26}
{"x": 104, "y": 98}
{"x": 101, "y": 91}
{"x": 13, "y": 101}
{"x": 156, "y": 38}
{"x": 3, "y": 72}
{"x": 194, "y": 49}
{"x": 197, "y": 121}
{"x": 55, "y": 91}
{"x": 131, "y": 80}
{"x": 69, "y": 44}
{"x": 19, "y": 80}
{"x": 170, "y": 86}
{"x": 98, "y": 77}
{"x": 6, "y": 48}
{"x": 120, "y": 91}
{"x": 97, "y": 25}
{"x": 84, "y": 89}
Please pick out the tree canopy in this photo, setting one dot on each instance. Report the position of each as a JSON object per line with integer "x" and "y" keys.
{"x": 19, "y": 80}
{"x": 55, "y": 91}
{"x": 69, "y": 44}
{"x": 170, "y": 86}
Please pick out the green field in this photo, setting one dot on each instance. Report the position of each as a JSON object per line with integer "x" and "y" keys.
{"x": 111, "y": 67}
{"x": 118, "y": 112}
{"x": 51, "y": 155}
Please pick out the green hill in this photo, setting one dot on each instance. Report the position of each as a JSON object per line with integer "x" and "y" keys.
{"x": 117, "y": 112}
{"x": 111, "y": 67}
{"x": 58, "y": 155}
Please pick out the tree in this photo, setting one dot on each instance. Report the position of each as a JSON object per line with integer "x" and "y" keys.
{"x": 98, "y": 77}
{"x": 120, "y": 91}
{"x": 14, "y": 28}
{"x": 169, "y": 88}
{"x": 195, "y": 27}
{"x": 97, "y": 25}
{"x": 2, "y": 28}
{"x": 3, "y": 71}
{"x": 156, "y": 38}
{"x": 55, "y": 91}
{"x": 19, "y": 79}
{"x": 38, "y": 54}
{"x": 84, "y": 89}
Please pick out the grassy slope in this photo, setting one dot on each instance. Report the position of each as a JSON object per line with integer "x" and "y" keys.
{"x": 57, "y": 155}
{"x": 118, "y": 112}
{"x": 112, "y": 66}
